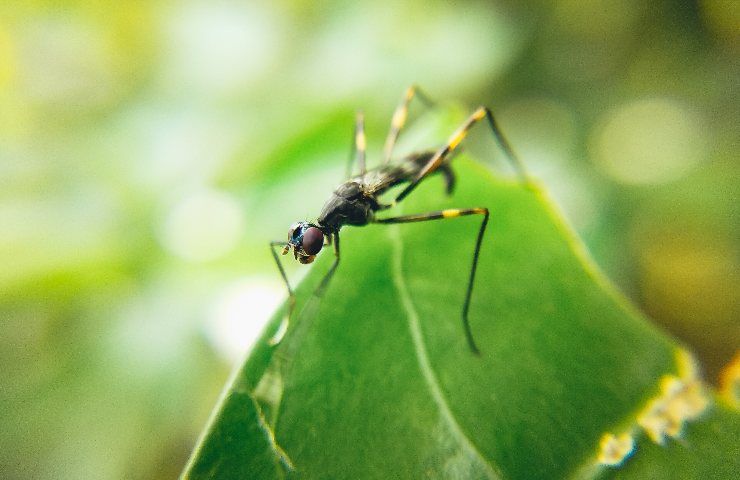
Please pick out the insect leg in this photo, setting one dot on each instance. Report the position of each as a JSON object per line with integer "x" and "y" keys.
{"x": 504, "y": 144}
{"x": 327, "y": 278}
{"x": 439, "y": 157}
{"x": 453, "y": 213}
{"x": 359, "y": 145}
{"x": 291, "y": 294}
{"x": 399, "y": 119}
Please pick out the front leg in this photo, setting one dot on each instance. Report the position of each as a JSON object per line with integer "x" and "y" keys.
{"x": 291, "y": 294}
{"x": 330, "y": 239}
{"x": 327, "y": 278}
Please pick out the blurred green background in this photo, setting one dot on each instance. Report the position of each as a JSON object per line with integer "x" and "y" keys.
{"x": 149, "y": 150}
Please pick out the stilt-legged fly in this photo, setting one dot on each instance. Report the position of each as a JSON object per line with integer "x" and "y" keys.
{"x": 356, "y": 201}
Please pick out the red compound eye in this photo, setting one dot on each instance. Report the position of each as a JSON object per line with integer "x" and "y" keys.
{"x": 313, "y": 240}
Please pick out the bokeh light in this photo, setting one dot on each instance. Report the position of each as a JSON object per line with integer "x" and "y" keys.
{"x": 231, "y": 330}
{"x": 203, "y": 226}
{"x": 150, "y": 151}
{"x": 650, "y": 141}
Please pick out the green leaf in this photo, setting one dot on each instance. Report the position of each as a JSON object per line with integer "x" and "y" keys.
{"x": 376, "y": 380}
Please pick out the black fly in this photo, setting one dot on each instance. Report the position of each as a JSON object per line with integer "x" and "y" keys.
{"x": 356, "y": 201}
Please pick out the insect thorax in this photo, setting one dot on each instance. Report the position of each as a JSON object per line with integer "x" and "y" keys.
{"x": 348, "y": 205}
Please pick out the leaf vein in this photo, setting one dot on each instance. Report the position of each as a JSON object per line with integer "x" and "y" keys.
{"x": 422, "y": 357}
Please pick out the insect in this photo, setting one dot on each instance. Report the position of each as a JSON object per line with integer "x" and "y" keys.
{"x": 357, "y": 201}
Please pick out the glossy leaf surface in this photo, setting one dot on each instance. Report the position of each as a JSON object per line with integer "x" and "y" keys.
{"x": 376, "y": 380}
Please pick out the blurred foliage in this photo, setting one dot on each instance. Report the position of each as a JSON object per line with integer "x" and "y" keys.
{"x": 148, "y": 150}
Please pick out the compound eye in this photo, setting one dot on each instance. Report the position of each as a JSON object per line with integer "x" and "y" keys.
{"x": 313, "y": 240}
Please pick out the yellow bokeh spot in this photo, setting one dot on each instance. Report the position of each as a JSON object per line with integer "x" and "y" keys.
{"x": 722, "y": 17}
{"x": 649, "y": 141}
{"x": 729, "y": 382}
